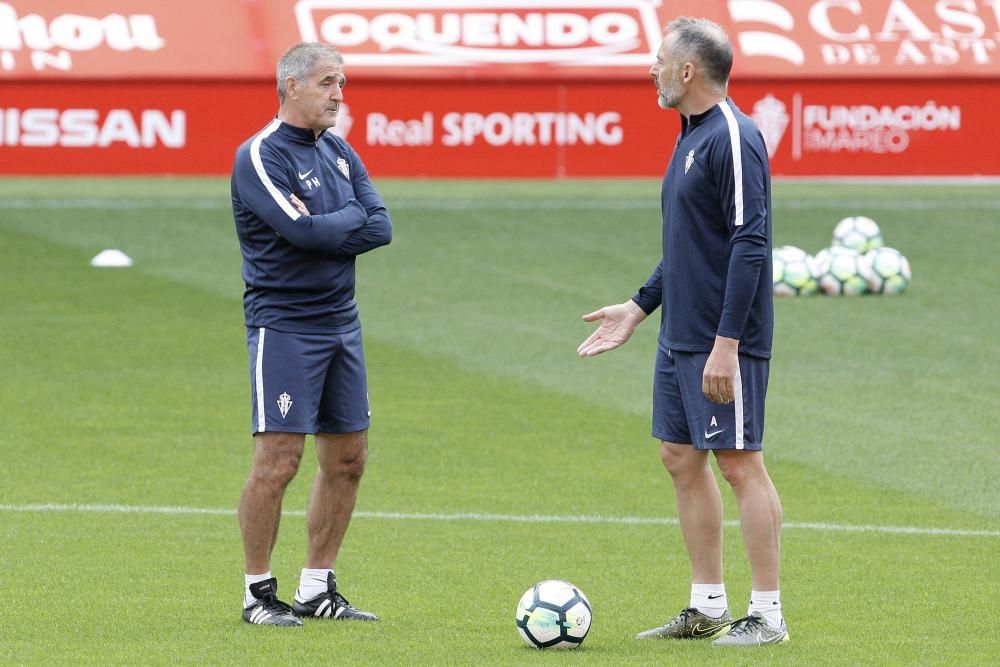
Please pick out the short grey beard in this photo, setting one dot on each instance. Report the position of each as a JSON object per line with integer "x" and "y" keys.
{"x": 665, "y": 97}
{"x": 665, "y": 100}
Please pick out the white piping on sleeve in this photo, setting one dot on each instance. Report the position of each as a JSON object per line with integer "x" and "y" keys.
{"x": 258, "y": 166}
{"x": 734, "y": 142}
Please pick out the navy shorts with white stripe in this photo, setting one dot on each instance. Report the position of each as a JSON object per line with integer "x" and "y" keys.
{"x": 683, "y": 414}
{"x": 307, "y": 383}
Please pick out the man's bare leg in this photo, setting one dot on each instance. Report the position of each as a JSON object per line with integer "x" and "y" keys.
{"x": 699, "y": 508}
{"x": 342, "y": 460}
{"x": 275, "y": 462}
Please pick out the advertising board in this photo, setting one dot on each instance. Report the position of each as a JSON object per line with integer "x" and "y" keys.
{"x": 480, "y": 129}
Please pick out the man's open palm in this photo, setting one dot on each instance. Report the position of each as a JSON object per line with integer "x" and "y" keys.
{"x": 617, "y": 324}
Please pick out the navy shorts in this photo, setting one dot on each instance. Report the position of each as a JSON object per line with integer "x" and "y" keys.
{"x": 684, "y": 415}
{"x": 307, "y": 383}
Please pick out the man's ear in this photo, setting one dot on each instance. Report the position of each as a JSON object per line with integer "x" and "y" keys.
{"x": 688, "y": 72}
{"x": 291, "y": 86}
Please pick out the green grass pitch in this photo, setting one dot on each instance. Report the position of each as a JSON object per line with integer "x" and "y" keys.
{"x": 125, "y": 389}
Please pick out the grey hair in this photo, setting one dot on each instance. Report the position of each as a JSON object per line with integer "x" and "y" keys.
{"x": 300, "y": 59}
{"x": 705, "y": 42}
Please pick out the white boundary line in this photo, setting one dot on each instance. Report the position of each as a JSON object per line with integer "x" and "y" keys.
{"x": 651, "y": 203}
{"x": 499, "y": 518}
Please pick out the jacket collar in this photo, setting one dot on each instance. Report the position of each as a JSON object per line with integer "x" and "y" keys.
{"x": 298, "y": 134}
{"x": 697, "y": 119}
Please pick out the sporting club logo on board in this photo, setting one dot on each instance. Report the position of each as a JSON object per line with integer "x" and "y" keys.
{"x": 771, "y": 116}
{"x": 850, "y": 126}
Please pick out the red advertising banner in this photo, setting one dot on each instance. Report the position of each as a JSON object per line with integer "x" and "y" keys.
{"x": 492, "y": 39}
{"x": 861, "y": 38}
{"x": 496, "y": 88}
{"x": 129, "y": 39}
{"x": 480, "y": 129}
{"x": 897, "y": 128}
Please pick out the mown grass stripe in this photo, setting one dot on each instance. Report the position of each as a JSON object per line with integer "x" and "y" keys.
{"x": 508, "y": 518}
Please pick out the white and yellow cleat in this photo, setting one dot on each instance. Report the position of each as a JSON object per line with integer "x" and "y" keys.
{"x": 690, "y": 624}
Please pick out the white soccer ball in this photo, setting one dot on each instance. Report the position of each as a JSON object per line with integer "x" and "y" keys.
{"x": 792, "y": 272}
{"x": 887, "y": 271}
{"x": 842, "y": 273}
{"x": 821, "y": 260}
{"x": 858, "y": 233}
{"x": 553, "y": 614}
{"x": 790, "y": 252}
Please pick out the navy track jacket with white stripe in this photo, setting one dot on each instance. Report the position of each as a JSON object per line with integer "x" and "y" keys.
{"x": 715, "y": 274}
{"x": 299, "y": 269}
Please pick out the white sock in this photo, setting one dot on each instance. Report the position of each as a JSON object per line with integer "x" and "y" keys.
{"x": 312, "y": 582}
{"x": 248, "y": 598}
{"x": 768, "y": 603}
{"x": 709, "y": 599}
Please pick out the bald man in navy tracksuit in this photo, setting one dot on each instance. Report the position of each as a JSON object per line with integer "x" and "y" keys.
{"x": 304, "y": 209}
{"x": 713, "y": 284}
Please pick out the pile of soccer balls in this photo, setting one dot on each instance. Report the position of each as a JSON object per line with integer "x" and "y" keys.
{"x": 855, "y": 263}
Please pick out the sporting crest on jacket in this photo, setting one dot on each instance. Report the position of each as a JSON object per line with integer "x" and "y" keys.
{"x": 689, "y": 160}
{"x": 344, "y": 168}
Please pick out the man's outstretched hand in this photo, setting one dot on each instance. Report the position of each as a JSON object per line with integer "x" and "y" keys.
{"x": 617, "y": 324}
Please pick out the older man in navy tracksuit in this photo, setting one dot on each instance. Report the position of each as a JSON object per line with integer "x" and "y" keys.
{"x": 304, "y": 209}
